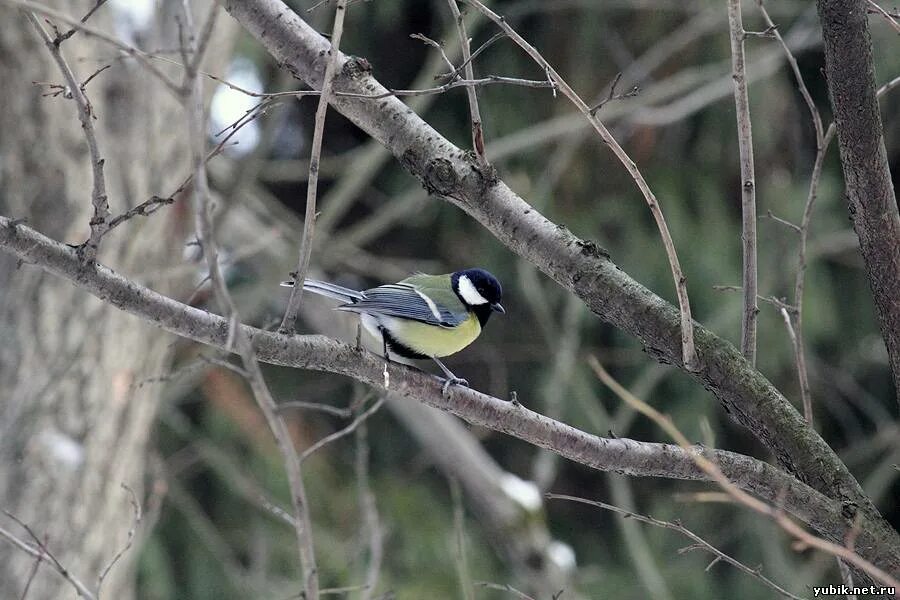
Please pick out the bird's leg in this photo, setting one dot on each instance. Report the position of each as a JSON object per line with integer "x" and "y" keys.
{"x": 387, "y": 355}
{"x": 387, "y": 358}
{"x": 451, "y": 379}
{"x": 359, "y": 336}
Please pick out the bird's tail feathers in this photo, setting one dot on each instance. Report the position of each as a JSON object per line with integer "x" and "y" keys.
{"x": 328, "y": 290}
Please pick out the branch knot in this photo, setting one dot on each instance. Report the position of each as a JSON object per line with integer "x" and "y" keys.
{"x": 440, "y": 177}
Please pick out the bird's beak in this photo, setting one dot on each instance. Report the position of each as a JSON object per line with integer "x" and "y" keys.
{"x": 497, "y": 307}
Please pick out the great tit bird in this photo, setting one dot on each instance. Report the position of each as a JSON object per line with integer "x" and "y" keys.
{"x": 423, "y": 316}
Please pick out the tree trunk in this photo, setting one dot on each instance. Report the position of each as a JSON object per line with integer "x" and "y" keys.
{"x": 850, "y": 73}
{"x": 74, "y": 415}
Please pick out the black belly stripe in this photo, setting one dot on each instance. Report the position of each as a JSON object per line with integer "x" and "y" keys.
{"x": 400, "y": 349}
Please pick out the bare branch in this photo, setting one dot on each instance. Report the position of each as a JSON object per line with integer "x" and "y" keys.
{"x": 236, "y": 338}
{"x": 460, "y": 557}
{"x": 135, "y": 523}
{"x": 800, "y": 360}
{"x": 39, "y": 551}
{"x": 776, "y": 513}
{"x": 748, "y": 180}
{"x": 369, "y": 510}
{"x": 455, "y": 71}
{"x": 505, "y": 587}
{"x": 612, "y": 95}
{"x": 99, "y": 199}
{"x": 689, "y": 351}
{"x": 876, "y": 542}
{"x": 141, "y": 56}
{"x": 796, "y": 330}
{"x": 205, "y": 37}
{"x": 431, "y": 91}
{"x": 333, "y": 410}
{"x": 891, "y": 19}
{"x": 436, "y": 45}
{"x": 578, "y": 265}
{"x": 288, "y": 323}
{"x": 785, "y": 222}
{"x": 677, "y": 526}
{"x": 359, "y": 420}
{"x": 59, "y": 39}
{"x": 474, "y": 112}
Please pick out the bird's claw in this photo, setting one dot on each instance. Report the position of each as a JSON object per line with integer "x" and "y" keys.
{"x": 450, "y": 381}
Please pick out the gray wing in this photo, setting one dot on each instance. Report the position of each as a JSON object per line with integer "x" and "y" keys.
{"x": 405, "y": 302}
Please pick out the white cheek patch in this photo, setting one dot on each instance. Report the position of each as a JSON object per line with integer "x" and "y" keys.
{"x": 469, "y": 293}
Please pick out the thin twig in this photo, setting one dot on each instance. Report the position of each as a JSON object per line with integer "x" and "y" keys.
{"x": 205, "y": 36}
{"x": 440, "y": 89}
{"x": 345, "y": 413}
{"x": 150, "y": 206}
{"x": 342, "y": 432}
{"x": 748, "y": 181}
{"x": 888, "y": 16}
{"x": 612, "y": 95}
{"x": 459, "y": 542}
{"x": 141, "y": 56}
{"x": 689, "y": 351}
{"x": 785, "y": 222}
{"x": 436, "y": 45}
{"x": 466, "y": 83}
{"x": 59, "y": 39}
{"x": 31, "y": 575}
{"x": 775, "y": 513}
{"x": 309, "y": 219}
{"x": 800, "y": 359}
{"x": 135, "y": 523}
{"x": 822, "y": 142}
{"x": 238, "y": 338}
{"x": 369, "y": 510}
{"x": 343, "y": 590}
{"x": 455, "y": 71}
{"x": 677, "y": 526}
{"x": 99, "y": 199}
{"x": 39, "y": 551}
{"x": 474, "y": 111}
{"x": 504, "y": 587}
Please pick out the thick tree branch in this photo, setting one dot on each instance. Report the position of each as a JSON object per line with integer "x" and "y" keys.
{"x": 578, "y": 265}
{"x": 850, "y": 74}
{"x": 832, "y": 519}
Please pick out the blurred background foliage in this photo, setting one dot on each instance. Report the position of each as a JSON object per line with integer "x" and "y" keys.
{"x": 216, "y": 468}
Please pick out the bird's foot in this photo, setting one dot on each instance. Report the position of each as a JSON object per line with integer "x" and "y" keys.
{"x": 451, "y": 381}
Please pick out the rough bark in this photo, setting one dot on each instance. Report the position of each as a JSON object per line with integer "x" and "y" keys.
{"x": 73, "y": 427}
{"x": 850, "y": 73}
{"x": 578, "y": 265}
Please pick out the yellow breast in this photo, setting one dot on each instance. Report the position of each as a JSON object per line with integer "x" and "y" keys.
{"x": 438, "y": 341}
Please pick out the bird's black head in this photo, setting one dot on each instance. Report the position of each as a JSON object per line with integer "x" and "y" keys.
{"x": 480, "y": 291}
